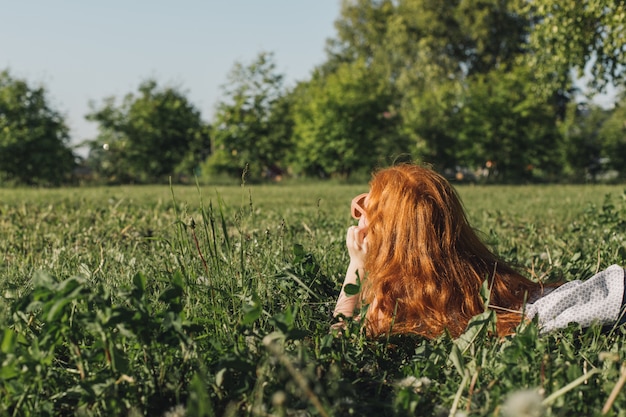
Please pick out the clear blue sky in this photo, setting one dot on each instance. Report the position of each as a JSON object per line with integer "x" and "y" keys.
{"x": 88, "y": 50}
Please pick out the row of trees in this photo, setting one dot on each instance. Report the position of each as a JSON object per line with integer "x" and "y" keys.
{"x": 455, "y": 83}
{"x": 34, "y": 138}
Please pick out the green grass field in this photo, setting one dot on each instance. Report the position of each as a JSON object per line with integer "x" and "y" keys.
{"x": 215, "y": 301}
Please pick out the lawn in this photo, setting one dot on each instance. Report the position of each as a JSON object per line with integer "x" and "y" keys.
{"x": 149, "y": 300}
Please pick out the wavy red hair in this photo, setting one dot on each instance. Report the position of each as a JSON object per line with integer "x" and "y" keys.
{"x": 425, "y": 264}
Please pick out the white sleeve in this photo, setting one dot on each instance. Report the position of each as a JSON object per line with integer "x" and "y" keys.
{"x": 596, "y": 300}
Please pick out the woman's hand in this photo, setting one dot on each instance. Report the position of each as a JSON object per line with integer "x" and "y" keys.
{"x": 356, "y": 242}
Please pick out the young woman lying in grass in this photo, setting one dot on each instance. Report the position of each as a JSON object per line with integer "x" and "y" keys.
{"x": 422, "y": 267}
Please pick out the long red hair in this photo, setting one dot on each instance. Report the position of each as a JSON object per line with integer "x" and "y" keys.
{"x": 425, "y": 264}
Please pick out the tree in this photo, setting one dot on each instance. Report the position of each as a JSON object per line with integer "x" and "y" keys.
{"x": 500, "y": 120}
{"x": 344, "y": 122}
{"x": 463, "y": 37}
{"x": 576, "y": 35}
{"x": 33, "y": 137}
{"x": 155, "y": 134}
{"x": 253, "y": 126}
{"x": 613, "y": 137}
{"x": 429, "y": 110}
{"x": 582, "y": 142}
{"x": 427, "y": 52}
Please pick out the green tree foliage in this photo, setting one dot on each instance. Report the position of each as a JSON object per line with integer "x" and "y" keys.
{"x": 613, "y": 137}
{"x": 583, "y": 144}
{"x": 343, "y": 121}
{"x": 429, "y": 109}
{"x": 459, "y": 37}
{"x": 432, "y": 56}
{"x": 501, "y": 121}
{"x": 493, "y": 34}
{"x": 253, "y": 125}
{"x": 149, "y": 136}
{"x": 33, "y": 137}
{"x": 579, "y": 34}
{"x": 361, "y": 27}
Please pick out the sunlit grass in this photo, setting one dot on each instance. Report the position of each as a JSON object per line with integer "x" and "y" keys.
{"x": 217, "y": 299}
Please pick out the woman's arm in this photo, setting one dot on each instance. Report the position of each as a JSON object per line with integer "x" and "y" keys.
{"x": 357, "y": 248}
{"x": 347, "y": 303}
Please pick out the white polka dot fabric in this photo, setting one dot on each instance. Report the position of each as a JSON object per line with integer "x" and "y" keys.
{"x": 596, "y": 300}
